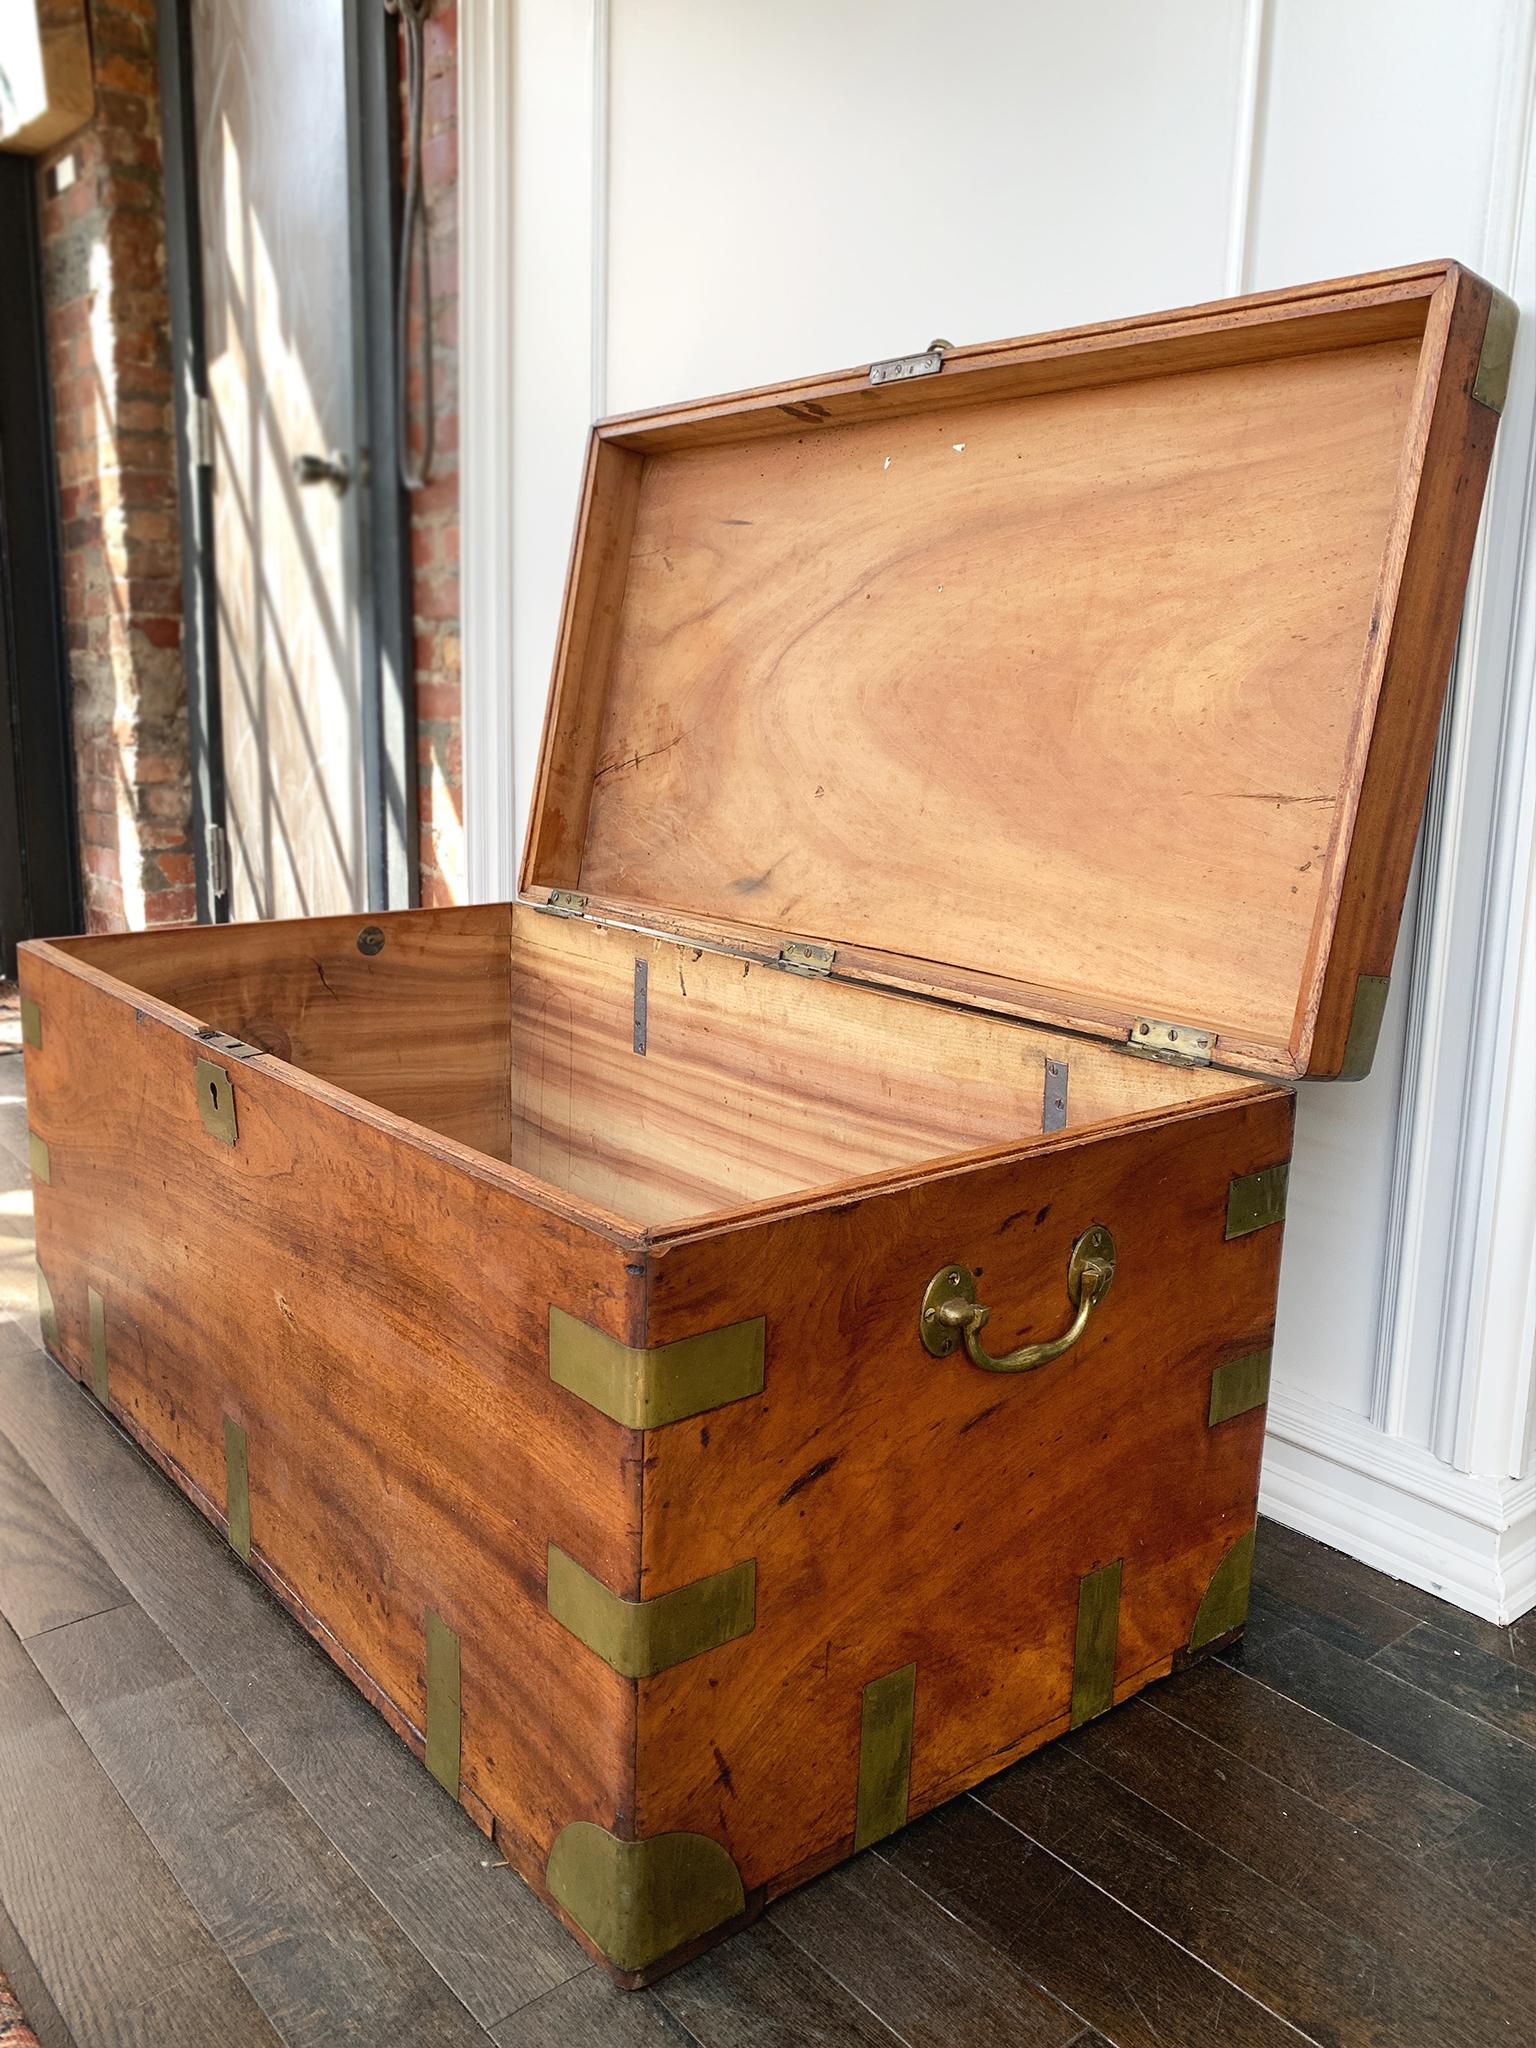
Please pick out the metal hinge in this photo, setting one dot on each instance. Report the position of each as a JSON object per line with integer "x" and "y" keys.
{"x": 565, "y": 903}
{"x": 217, "y": 842}
{"x": 897, "y": 369}
{"x": 799, "y": 957}
{"x": 200, "y": 430}
{"x": 1184, "y": 1045}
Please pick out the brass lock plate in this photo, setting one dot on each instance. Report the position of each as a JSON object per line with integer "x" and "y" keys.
{"x": 216, "y": 1101}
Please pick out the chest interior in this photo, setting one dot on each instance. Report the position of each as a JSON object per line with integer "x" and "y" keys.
{"x": 648, "y": 1078}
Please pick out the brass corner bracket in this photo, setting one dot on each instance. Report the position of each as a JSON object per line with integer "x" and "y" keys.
{"x": 39, "y": 1158}
{"x": 1256, "y": 1200}
{"x": 648, "y": 1389}
{"x": 31, "y": 1024}
{"x": 640, "y": 1902}
{"x": 1224, "y": 1604}
{"x": 1239, "y": 1385}
{"x": 642, "y": 1637}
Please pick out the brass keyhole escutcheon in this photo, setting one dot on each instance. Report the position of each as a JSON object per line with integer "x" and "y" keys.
{"x": 951, "y": 1313}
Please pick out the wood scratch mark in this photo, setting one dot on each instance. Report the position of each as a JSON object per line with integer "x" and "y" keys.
{"x": 633, "y": 760}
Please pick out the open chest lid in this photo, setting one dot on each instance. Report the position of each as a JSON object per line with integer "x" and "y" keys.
{"x": 1091, "y": 678}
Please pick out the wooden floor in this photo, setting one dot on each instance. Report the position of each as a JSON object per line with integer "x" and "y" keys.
{"x": 206, "y": 1838}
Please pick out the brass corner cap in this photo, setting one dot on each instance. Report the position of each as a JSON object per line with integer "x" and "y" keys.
{"x": 640, "y": 1638}
{"x": 1371, "y": 991}
{"x": 639, "y": 1902}
{"x": 1491, "y": 384}
{"x": 1224, "y": 1605}
{"x": 648, "y": 1389}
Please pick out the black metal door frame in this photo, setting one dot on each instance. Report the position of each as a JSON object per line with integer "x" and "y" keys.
{"x": 39, "y": 850}
{"x": 383, "y": 594}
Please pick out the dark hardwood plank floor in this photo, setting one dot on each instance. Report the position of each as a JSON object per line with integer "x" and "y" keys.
{"x": 1325, "y": 1836}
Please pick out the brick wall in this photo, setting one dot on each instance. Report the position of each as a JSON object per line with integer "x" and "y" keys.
{"x": 435, "y": 510}
{"x": 108, "y": 320}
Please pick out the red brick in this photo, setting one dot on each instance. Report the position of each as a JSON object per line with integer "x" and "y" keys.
{"x": 440, "y": 702}
{"x": 436, "y": 597}
{"x": 167, "y": 800}
{"x": 164, "y": 839}
{"x": 170, "y": 906}
{"x": 160, "y": 632}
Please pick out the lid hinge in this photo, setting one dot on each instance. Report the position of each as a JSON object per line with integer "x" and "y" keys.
{"x": 798, "y": 957}
{"x": 1183, "y": 1045}
{"x": 897, "y": 369}
{"x": 565, "y": 903}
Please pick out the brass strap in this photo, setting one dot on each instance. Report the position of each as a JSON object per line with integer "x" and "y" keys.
{"x": 38, "y": 1159}
{"x": 98, "y": 1319}
{"x": 444, "y": 1704}
{"x": 47, "y": 1314}
{"x": 1098, "y": 1637}
{"x": 31, "y": 1024}
{"x": 885, "y": 1755}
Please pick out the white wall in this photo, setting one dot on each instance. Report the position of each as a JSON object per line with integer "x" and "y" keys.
{"x": 676, "y": 198}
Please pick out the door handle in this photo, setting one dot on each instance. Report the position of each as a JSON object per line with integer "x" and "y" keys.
{"x": 952, "y": 1313}
{"x": 333, "y": 469}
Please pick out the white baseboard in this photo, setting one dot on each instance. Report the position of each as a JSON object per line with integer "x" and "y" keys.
{"x": 1397, "y": 1508}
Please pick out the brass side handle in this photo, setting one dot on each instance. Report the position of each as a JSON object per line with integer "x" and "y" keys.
{"x": 951, "y": 1313}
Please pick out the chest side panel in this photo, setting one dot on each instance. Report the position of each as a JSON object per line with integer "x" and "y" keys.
{"x": 333, "y": 1339}
{"x": 905, "y": 1511}
{"x": 358, "y": 1001}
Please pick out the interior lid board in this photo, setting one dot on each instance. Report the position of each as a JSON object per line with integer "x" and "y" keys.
{"x": 1097, "y": 697}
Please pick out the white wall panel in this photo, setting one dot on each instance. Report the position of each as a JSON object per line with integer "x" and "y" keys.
{"x": 815, "y": 182}
{"x": 1377, "y": 133}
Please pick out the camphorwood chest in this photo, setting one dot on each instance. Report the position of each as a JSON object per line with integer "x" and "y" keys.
{"x": 973, "y": 788}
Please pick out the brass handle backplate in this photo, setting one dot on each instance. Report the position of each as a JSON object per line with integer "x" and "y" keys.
{"x": 951, "y": 1313}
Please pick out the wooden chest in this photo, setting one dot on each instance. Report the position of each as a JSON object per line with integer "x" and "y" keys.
{"x": 973, "y": 787}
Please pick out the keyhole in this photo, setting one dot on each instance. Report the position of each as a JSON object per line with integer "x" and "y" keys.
{"x": 213, "y": 1093}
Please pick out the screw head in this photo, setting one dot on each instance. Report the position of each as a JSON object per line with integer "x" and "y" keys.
{"x": 370, "y": 940}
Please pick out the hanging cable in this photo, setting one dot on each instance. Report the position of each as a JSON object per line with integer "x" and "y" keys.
{"x": 414, "y": 253}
